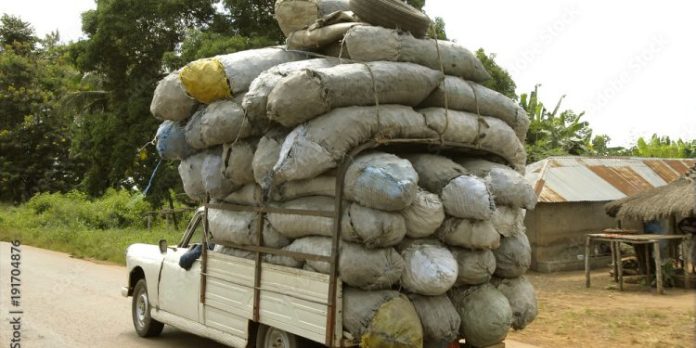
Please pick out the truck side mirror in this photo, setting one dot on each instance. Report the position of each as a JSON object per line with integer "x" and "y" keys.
{"x": 163, "y": 246}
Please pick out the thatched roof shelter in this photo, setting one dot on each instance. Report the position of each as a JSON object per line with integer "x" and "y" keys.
{"x": 675, "y": 199}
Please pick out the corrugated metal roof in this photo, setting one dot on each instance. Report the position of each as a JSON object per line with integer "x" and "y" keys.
{"x": 591, "y": 179}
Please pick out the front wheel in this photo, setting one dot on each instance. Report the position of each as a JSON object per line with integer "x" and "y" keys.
{"x": 270, "y": 337}
{"x": 144, "y": 325}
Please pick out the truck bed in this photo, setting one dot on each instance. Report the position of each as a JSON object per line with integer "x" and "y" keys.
{"x": 292, "y": 300}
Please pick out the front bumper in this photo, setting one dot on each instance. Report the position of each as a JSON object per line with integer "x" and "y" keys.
{"x": 124, "y": 291}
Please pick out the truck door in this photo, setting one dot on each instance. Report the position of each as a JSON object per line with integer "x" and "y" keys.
{"x": 179, "y": 289}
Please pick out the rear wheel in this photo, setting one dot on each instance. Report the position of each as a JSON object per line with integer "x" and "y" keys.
{"x": 270, "y": 337}
{"x": 144, "y": 325}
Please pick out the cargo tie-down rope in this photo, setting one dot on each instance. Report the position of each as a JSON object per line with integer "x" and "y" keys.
{"x": 154, "y": 172}
{"x": 444, "y": 88}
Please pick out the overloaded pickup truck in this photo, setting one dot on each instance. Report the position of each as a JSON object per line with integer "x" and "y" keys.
{"x": 229, "y": 299}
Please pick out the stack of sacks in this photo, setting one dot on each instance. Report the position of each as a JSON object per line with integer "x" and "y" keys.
{"x": 432, "y": 247}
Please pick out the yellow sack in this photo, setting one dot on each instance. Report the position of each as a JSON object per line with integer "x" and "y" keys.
{"x": 205, "y": 80}
{"x": 395, "y": 325}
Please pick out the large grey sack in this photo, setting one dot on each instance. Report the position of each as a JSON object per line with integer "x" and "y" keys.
{"x": 375, "y": 180}
{"x": 463, "y": 196}
{"x": 478, "y": 166}
{"x": 424, "y": 215}
{"x": 367, "y": 43}
{"x": 508, "y": 221}
{"x": 471, "y": 234}
{"x": 508, "y": 186}
{"x": 219, "y": 123}
{"x": 266, "y": 155}
{"x": 293, "y": 15}
{"x": 513, "y": 257}
{"x": 318, "y": 145}
{"x": 468, "y": 197}
{"x": 430, "y": 270}
{"x": 370, "y": 227}
{"x": 439, "y": 318}
{"x": 520, "y": 293}
{"x": 237, "y": 161}
{"x": 381, "y": 181}
{"x": 485, "y": 312}
{"x": 475, "y": 266}
{"x": 243, "y": 67}
{"x": 382, "y": 318}
{"x": 511, "y": 188}
{"x": 239, "y": 228}
{"x": 487, "y": 134}
{"x": 249, "y": 255}
{"x": 360, "y": 306}
{"x": 304, "y": 95}
{"x": 171, "y": 142}
{"x": 324, "y": 33}
{"x": 190, "y": 172}
{"x": 255, "y": 100}
{"x": 313, "y": 148}
{"x": 458, "y": 94}
{"x": 369, "y": 269}
{"x": 434, "y": 171}
{"x": 214, "y": 182}
{"x": 323, "y": 185}
{"x": 170, "y": 101}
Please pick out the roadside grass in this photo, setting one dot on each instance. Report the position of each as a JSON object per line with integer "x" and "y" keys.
{"x": 99, "y": 229}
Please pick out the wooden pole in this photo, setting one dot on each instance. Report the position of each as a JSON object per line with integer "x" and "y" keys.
{"x": 619, "y": 264}
{"x": 614, "y": 264}
{"x": 174, "y": 218}
{"x": 685, "y": 263}
{"x": 588, "y": 242}
{"x": 647, "y": 263}
{"x": 204, "y": 251}
{"x": 658, "y": 267}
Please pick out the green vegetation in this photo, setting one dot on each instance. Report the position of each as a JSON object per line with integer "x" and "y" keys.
{"x": 658, "y": 146}
{"x": 99, "y": 229}
{"x": 75, "y": 118}
{"x": 501, "y": 80}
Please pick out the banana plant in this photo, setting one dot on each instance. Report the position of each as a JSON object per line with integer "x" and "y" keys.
{"x": 554, "y": 132}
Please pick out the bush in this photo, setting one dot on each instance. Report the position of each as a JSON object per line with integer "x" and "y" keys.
{"x": 98, "y": 228}
{"x": 116, "y": 209}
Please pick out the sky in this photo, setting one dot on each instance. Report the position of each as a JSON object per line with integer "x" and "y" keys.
{"x": 630, "y": 65}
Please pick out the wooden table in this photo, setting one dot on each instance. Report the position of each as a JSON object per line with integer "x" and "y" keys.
{"x": 615, "y": 239}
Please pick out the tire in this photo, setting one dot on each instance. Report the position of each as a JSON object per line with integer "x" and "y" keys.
{"x": 392, "y": 14}
{"x": 144, "y": 325}
{"x": 270, "y": 337}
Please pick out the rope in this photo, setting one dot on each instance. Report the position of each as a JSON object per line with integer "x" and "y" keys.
{"x": 444, "y": 88}
{"x": 340, "y": 49}
{"x": 374, "y": 92}
{"x": 152, "y": 178}
{"x": 479, "y": 118}
{"x": 151, "y": 142}
{"x": 319, "y": 55}
{"x": 239, "y": 133}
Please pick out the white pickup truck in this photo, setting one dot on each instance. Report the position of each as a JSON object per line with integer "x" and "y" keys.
{"x": 229, "y": 299}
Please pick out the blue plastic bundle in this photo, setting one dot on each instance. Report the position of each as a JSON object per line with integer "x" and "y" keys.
{"x": 171, "y": 142}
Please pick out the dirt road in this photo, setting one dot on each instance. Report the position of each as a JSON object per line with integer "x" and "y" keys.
{"x": 75, "y": 303}
{"x": 69, "y": 302}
